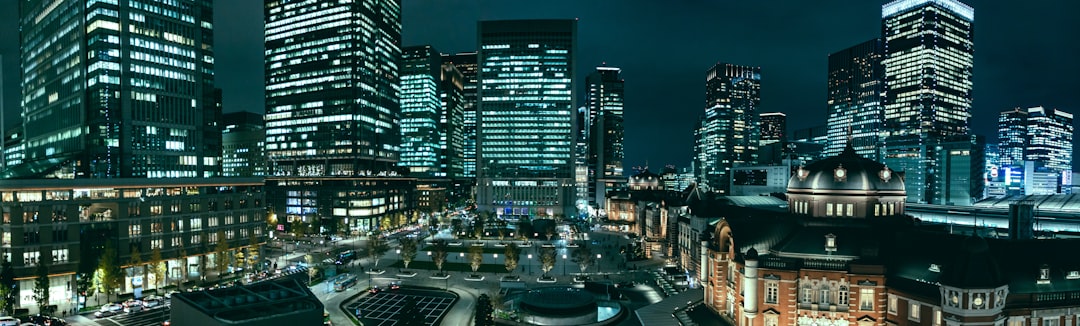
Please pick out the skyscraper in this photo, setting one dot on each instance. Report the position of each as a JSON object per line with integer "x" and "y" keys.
{"x": 333, "y": 114}
{"x": 113, "y": 90}
{"x": 525, "y": 119}
{"x": 856, "y": 85}
{"x": 1040, "y": 135}
{"x": 728, "y": 134}
{"x": 605, "y": 105}
{"x": 466, "y": 64}
{"x": 773, "y": 127}
{"x": 242, "y": 141}
{"x": 929, "y": 55}
{"x": 421, "y": 111}
{"x": 452, "y": 121}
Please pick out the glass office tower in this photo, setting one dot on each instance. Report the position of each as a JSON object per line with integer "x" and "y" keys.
{"x": 929, "y": 54}
{"x": 421, "y": 68}
{"x": 605, "y": 104}
{"x": 118, "y": 89}
{"x": 466, "y": 65}
{"x": 332, "y": 87}
{"x": 525, "y": 119}
{"x": 728, "y": 132}
{"x": 856, "y": 85}
{"x": 1040, "y": 135}
{"x": 332, "y": 115}
{"x": 773, "y": 127}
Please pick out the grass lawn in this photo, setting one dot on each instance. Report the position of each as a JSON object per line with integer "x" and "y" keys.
{"x": 452, "y": 267}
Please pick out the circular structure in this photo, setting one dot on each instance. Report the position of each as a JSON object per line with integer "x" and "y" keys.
{"x": 846, "y": 185}
{"x": 559, "y": 306}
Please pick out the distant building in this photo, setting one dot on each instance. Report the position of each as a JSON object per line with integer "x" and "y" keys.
{"x": 432, "y": 116}
{"x": 754, "y": 180}
{"x": 107, "y": 93}
{"x": 525, "y": 135}
{"x": 466, "y": 65}
{"x": 961, "y": 170}
{"x": 926, "y": 107}
{"x": 856, "y": 85}
{"x": 728, "y": 134}
{"x": 773, "y": 127}
{"x": 242, "y": 142}
{"x": 285, "y": 301}
{"x": 605, "y": 136}
{"x": 1039, "y": 135}
{"x": 14, "y": 149}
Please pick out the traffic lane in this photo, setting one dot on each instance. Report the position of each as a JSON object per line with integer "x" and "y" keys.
{"x": 154, "y": 316}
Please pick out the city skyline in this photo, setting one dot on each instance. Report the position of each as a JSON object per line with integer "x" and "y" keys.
{"x": 668, "y": 89}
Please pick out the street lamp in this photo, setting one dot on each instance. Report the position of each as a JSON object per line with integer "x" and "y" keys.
{"x": 598, "y": 263}
{"x": 564, "y": 264}
{"x": 530, "y": 264}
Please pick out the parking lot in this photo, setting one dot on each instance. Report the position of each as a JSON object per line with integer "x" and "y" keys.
{"x": 381, "y": 309}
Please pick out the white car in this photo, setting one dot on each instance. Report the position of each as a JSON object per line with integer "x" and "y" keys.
{"x": 9, "y": 321}
{"x": 109, "y": 310}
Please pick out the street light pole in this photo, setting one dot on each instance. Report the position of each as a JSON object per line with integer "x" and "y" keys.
{"x": 564, "y": 264}
{"x": 598, "y": 264}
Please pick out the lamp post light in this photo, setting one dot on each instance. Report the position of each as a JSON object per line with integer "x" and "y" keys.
{"x": 564, "y": 264}
{"x": 598, "y": 263}
{"x": 530, "y": 264}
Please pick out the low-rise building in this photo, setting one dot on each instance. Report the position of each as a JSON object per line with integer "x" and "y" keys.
{"x": 284, "y": 301}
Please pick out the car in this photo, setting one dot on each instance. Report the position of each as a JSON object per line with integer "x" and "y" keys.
{"x": 170, "y": 293}
{"x": 166, "y": 323}
{"x": 9, "y": 321}
{"x": 109, "y": 310}
{"x": 151, "y": 302}
{"x": 135, "y": 307}
{"x": 395, "y": 286}
{"x": 375, "y": 289}
{"x": 46, "y": 320}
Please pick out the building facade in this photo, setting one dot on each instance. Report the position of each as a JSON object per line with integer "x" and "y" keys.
{"x": 466, "y": 65}
{"x": 925, "y": 107}
{"x": 118, "y": 90}
{"x": 67, "y": 224}
{"x": 773, "y": 127}
{"x": 728, "y": 133}
{"x": 605, "y": 123}
{"x": 333, "y": 114}
{"x": 856, "y": 86}
{"x": 525, "y": 118}
{"x": 1040, "y": 136}
{"x": 431, "y": 114}
{"x": 242, "y": 142}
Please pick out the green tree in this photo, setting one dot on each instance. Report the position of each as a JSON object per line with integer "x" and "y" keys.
{"x": 110, "y": 274}
{"x": 41, "y": 286}
{"x": 221, "y": 254}
{"x": 157, "y": 267}
{"x": 184, "y": 272}
{"x": 298, "y": 227}
{"x": 549, "y": 231}
{"x": 439, "y": 253}
{"x": 253, "y": 252}
{"x": 476, "y": 257}
{"x": 583, "y": 256}
{"x": 478, "y": 227}
{"x": 408, "y": 251}
{"x": 8, "y": 290}
{"x": 483, "y": 311}
{"x": 204, "y": 257}
{"x": 376, "y": 248}
{"x": 513, "y": 254}
{"x": 547, "y": 259}
{"x": 524, "y": 228}
{"x": 386, "y": 223}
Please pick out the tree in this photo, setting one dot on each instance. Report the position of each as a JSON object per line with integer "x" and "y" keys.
{"x": 476, "y": 257}
{"x": 483, "y": 311}
{"x": 386, "y": 223}
{"x": 376, "y": 248}
{"x": 221, "y": 254}
{"x": 513, "y": 254}
{"x": 341, "y": 228}
{"x": 157, "y": 266}
{"x": 547, "y": 259}
{"x": 549, "y": 231}
{"x": 298, "y": 227}
{"x": 184, "y": 272}
{"x": 135, "y": 261}
{"x": 439, "y": 254}
{"x": 109, "y": 274}
{"x": 583, "y": 256}
{"x": 524, "y": 228}
{"x": 8, "y": 289}
{"x": 204, "y": 258}
{"x": 478, "y": 226}
{"x": 41, "y": 286}
{"x": 408, "y": 251}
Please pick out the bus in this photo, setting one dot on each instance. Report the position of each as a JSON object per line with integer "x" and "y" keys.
{"x": 344, "y": 282}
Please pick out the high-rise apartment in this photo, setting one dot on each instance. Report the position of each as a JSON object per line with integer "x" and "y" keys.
{"x": 525, "y": 118}
{"x": 605, "y": 93}
{"x": 856, "y": 84}
{"x": 773, "y": 127}
{"x": 929, "y": 54}
{"x": 118, "y": 89}
{"x": 728, "y": 133}
{"x": 333, "y": 114}
{"x": 466, "y": 65}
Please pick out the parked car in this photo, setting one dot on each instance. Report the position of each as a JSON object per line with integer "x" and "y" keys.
{"x": 375, "y": 289}
{"x": 109, "y": 310}
{"x": 134, "y": 307}
{"x": 395, "y": 286}
{"x": 153, "y": 301}
{"x": 9, "y": 321}
{"x": 47, "y": 320}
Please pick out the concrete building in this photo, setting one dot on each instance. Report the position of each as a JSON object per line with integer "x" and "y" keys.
{"x": 242, "y": 142}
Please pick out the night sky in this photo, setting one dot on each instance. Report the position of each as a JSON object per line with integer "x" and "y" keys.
{"x": 1025, "y": 54}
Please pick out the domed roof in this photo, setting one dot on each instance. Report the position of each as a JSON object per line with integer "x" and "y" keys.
{"x": 847, "y": 171}
{"x": 974, "y": 267}
{"x": 645, "y": 176}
